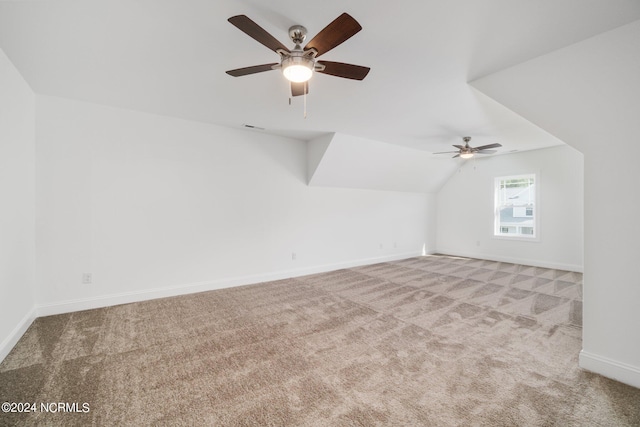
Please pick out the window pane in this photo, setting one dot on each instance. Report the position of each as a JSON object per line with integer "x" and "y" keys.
{"x": 515, "y": 206}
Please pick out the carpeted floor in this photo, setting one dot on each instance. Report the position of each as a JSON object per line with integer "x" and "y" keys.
{"x": 433, "y": 341}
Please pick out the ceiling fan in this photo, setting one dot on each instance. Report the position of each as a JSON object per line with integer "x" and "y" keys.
{"x": 298, "y": 64}
{"x": 466, "y": 151}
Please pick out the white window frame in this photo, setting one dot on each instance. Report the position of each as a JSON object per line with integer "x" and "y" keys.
{"x": 497, "y": 234}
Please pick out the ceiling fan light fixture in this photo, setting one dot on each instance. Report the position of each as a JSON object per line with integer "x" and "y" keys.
{"x": 297, "y": 69}
{"x": 466, "y": 155}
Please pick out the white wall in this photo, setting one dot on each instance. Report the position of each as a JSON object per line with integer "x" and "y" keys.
{"x": 465, "y": 207}
{"x": 588, "y": 95}
{"x": 155, "y": 206}
{"x": 17, "y": 199}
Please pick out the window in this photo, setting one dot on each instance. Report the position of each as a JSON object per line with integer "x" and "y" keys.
{"x": 515, "y": 206}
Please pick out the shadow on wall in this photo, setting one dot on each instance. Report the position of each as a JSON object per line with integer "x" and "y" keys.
{"x": 288, "y": 153}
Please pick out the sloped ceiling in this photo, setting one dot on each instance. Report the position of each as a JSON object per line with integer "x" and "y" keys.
{"x": 169, "y": 57}
{"x": 606, "y": 68}
{"x": 380, "y": 166}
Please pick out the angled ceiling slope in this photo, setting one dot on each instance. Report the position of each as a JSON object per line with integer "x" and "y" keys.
{"x": 340, "y": 160}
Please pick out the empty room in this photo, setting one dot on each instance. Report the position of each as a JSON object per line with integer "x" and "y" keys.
{"x": 245, "y": 213}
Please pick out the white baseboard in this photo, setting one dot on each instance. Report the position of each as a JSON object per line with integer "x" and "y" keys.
{"x": 69, "y": 306}
{"x": 514, "y": 260}
{"x": 610, "y": 368}
{"x": 9, "y": 342}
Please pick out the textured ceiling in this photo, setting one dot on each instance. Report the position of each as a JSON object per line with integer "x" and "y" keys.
{"x": 170, "y": 57}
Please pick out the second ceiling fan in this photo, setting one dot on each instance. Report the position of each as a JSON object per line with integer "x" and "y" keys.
{"x": 299, "y": 64}
{"x": 466, "y": 151}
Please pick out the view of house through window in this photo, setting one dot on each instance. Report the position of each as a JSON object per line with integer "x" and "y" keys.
{"x": 515, "y": 210}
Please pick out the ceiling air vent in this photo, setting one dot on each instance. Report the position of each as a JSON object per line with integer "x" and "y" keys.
{"x": 244, "y": 125}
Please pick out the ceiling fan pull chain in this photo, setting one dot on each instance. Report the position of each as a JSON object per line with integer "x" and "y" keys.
{"x": 305, "y": 103}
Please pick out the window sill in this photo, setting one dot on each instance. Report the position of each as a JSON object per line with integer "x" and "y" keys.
{"x": 517, "y": 238}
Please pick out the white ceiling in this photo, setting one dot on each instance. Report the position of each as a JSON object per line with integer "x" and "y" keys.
{"x": 169, "y": 58}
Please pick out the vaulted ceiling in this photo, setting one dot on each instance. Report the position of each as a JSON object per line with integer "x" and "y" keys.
{"x": 169, "y": 57}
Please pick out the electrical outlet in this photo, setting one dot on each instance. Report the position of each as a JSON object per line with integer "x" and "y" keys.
{"x": 293, "y": 256}
{"x": 87, "y": 278}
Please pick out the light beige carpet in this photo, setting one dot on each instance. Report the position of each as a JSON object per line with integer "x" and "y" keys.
{"x": 434, "y": 341}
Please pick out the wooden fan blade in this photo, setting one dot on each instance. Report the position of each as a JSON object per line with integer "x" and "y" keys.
{"x": 486, "y": 151}
{"x": 496, "y": 145}
{"x": 256, "y": 32}
{"x": 251, "y": 70}
{"x": 347, "y": 71}
{"x": 298, "y": 89}
{"x": 457, "y": 155}
{"x": 459, "y": 146}
{"x": 341, "y": 29}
